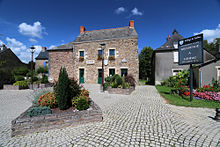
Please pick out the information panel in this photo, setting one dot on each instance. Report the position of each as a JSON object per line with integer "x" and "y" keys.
{"x": 191, "y": 50}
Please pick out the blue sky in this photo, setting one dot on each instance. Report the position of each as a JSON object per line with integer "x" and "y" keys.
{"x": 54, "y": 22}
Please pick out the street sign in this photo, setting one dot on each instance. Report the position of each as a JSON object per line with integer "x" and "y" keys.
{"x": 191, "y": 50}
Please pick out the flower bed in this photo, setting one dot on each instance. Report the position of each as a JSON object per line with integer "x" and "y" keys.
{"x": 126, "y": 91}
{"x": 25, "y": 124}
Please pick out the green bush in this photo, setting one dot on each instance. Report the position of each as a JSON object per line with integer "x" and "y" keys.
{"x": 20, "y": 71}
{"x": 19, "y": 78}
{"x": 63, "y": 91}
{"x": 82, "y": 104}
{"x": 74, "y": 88}
{"x": 42, "y": 70}
{"x": 35, "y": 111}
{"x": 44, "y": 79}
{"x": 22, "y": 84}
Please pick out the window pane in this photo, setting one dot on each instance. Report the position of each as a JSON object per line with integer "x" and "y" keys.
{"x": 175, "y": 56}
{"x": 112, "y": 52}
{"x": 100, "y": 52}
{"x": 81, "y": 53}
{"x": 111, "y": 72}
{"x": 124, "y": 72}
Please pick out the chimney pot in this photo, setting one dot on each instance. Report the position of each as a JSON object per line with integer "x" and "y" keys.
{"x": 3, "y": 45}
{"x": 82, "y": 29}
{"x": 131, "y": 23}
{"x": 44, "y": 49}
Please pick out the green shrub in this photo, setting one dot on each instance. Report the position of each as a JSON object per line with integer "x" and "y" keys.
{"x": 20, "y": 71}
{"x": 82, "y": 104}
{"x": 35, "y": 79}
{"x": 19, "y": 78}
{"x": 44, "y": 79}
{"x": 130, "y": 79}
{"x": 74, "y": 88}
{"x": 35, "y": 111}
{"x": 63, "y": 91}
{"x": 22, "y": 84}
{"x": 42, "y": 70}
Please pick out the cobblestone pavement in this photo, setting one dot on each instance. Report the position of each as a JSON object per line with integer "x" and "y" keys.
{"x": 141, "y": 119}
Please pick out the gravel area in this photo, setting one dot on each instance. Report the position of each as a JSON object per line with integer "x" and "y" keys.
{"x": 140, "y": 119}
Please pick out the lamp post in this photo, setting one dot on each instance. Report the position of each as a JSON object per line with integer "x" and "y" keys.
{"x": 32, "y": 49}
{"x": 103, "y": 48}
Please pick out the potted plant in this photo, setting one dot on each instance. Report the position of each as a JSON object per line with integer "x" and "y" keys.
{"x": 99, "y": 57}
{"x": 81, "y": 58}
{"x": 111, "y": 57}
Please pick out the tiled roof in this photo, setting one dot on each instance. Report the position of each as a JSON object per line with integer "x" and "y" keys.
{"x": 96, "y": 35}
{"x": 175, "y": 37}
{"x": 43, "y": 55}
{"x": 106, "y": 34}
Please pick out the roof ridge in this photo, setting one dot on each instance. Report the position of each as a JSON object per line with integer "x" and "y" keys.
{"x": 108, "y": 29}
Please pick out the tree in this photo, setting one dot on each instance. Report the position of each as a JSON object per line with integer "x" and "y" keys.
{"x": 145, "y": 63}
{"x": 211, "y": 47}
{"x": 62, "y": 90}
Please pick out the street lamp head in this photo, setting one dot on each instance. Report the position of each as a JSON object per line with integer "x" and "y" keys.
{"x": 102, "y": 44}
{"x": 32, "y": 49}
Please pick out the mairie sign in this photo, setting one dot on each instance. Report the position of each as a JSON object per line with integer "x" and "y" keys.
{"x": 191, "y": 50}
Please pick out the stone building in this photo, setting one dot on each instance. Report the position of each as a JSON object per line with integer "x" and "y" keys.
{"x": 82, "y": 57}
{"x": 165, "y": 59}
{"x": 42, "y": 59}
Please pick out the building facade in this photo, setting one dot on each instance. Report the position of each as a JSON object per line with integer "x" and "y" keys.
{"x": 83, "y": 57}
{"x": 42, "y": 59}
{"x": 165, "y": 59}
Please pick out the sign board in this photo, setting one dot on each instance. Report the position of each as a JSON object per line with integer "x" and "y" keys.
{"x": 90, "y": 62}
{"x": 191, "y": 50}
{"x": 124, "y": 60}
{"x": 105, "y": 62}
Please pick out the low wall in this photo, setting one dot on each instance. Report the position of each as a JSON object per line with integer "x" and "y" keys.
{"x": 25, "y": 124}
{"x": 126, "y": 91}
{"x": 10, "y": 87}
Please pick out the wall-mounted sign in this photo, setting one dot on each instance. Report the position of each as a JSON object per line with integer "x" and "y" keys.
{"x": 90, "y": 62}
{"x": 191, "y": 50}
{"x": 124, "y": 60}
{"x": 105, "y": 62}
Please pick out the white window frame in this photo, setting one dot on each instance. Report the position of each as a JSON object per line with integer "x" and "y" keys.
{"x": 112, "y": 49}
{"x": 180, "y": 69}
{"x": 218, "y": 72}
{"x": 84, "y": 53}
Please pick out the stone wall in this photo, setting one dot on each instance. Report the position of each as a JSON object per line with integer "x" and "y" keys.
{"x": 24, "y": 124}
{"x": 126, "y": 91}
{"x": 10, "y": 87}
{"x": 124, "y": 49}
{"x": 39, "y": 63}
{"x": 58, "y": 59}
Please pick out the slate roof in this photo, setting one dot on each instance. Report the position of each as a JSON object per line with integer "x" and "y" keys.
{"x": 99, "y": 35}
{"x": 43, "y": 55}
{"x": 168, "y": 45}
{"x": 106, "y": 34}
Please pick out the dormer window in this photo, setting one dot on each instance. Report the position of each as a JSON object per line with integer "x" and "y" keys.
{"x": 175, "y": 44}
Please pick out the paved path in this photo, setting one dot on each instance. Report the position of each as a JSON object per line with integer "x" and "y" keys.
{"x": 141, "y": 119}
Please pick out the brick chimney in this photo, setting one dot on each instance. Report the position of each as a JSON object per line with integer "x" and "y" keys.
{"x": 3, "y": 45}
{"x": 43, "y": 49}
{"x": 131, "y": 23}
{"x": 82, "y": 29}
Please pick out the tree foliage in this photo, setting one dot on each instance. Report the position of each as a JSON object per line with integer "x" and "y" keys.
{"x": 211, "y": 46}
{"x": 145, "y": 63}
{"x": 62, "y": 90}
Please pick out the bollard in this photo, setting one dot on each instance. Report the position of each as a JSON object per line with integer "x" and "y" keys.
{"x": 217, "y": 116}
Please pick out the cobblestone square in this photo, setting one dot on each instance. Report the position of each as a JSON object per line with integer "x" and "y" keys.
{"x": 140, "y": 119}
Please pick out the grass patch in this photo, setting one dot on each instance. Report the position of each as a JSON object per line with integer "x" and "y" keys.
{"x": 177, "y": 100}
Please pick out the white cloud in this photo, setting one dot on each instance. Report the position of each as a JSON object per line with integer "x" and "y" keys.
{"x": 210, "y": 34}
{"x": 1, "y": 42}
{"x": 35, "y": 30}
{"x": 52, "y": 46}
{"x": 33, "y": 40}
{"x": 20, "y": 50}
{"x": 136, "y": 12}
{"x": 120, "y": 10}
